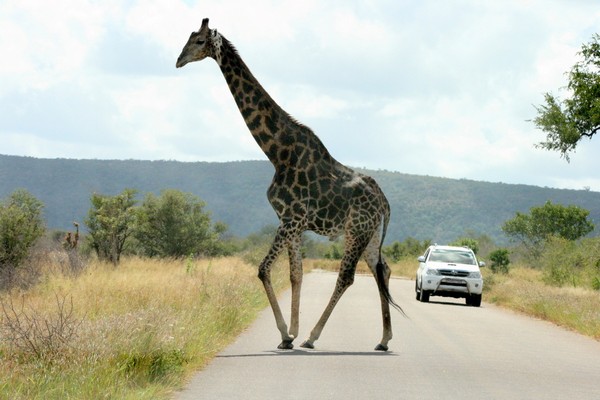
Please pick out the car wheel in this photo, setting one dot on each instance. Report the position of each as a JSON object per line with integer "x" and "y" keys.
{"x": 417, "y": 291}
{"x": 475, "y": 300}
{"x": 424, "y": 295}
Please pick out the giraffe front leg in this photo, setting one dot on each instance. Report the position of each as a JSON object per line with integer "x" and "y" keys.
{"x": 340, "y": 288}
{"x": 264, "y": 274}
{"x": 344, "y": 281}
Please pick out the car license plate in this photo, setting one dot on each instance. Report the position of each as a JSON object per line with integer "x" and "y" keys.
{"x": 454, "y": 281}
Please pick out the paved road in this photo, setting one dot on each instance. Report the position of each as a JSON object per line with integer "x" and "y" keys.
{"x": 444, "y": 350}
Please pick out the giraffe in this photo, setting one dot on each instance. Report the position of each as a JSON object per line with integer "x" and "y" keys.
{"x": 310, "y": 191}
{"x": 70, "y": 241}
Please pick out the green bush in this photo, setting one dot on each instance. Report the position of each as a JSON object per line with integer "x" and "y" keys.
{"x": 21, "y": 225}
{"x": 467, "y": 242}
{"x": 175, "y": 224}
{"x": 566, "y": 262}
{"x": 500, "y": 261}
{"x": 410, "y": 247}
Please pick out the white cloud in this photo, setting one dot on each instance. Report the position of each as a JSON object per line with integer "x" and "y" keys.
{"x": 438, "y": 88}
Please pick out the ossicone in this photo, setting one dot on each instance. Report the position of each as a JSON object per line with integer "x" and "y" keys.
{"x": 204, "y": 24}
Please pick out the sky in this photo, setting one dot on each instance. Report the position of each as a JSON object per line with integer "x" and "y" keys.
{"x": 434, "y": 87}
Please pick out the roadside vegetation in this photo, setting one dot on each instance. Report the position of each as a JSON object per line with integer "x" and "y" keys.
{"x": 132, "y": 308}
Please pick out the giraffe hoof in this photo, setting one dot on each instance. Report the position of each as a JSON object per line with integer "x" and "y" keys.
{"x": 381, "y": 347}
{"x": 286, "y": 345}
{"x": 307, "y": 345}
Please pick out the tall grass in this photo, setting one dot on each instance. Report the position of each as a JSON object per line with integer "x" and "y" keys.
{"x": 524, "y": 290}
{"x": 136, "y": 331}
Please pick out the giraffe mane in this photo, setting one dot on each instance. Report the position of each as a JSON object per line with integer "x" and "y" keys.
{"x": 235, "y": 51}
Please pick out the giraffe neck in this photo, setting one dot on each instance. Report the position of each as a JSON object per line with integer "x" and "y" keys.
{"x": 265, "y": 119}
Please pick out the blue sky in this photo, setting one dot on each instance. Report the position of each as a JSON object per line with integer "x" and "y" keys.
{"x": 439, "y": 88}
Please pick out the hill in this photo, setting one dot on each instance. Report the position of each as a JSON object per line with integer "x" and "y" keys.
{"x": 423, "y": 207}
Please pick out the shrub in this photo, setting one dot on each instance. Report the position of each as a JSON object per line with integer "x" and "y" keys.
{"x": 31, "y": 333}
{"x": 500, "y": 261}
{"x": 175, "y": 224}
{"x": 110, "y": 222}
{"x": 21, "y": 225}
{"x": 467, "y": 242}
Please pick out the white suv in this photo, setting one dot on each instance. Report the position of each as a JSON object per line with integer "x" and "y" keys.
{"x": 451, "y": 272}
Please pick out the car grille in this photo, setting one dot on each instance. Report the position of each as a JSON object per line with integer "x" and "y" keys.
{"x": 453, "y": 272}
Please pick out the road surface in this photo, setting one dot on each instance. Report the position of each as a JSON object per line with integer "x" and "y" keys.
{"x": 444, "y": 350}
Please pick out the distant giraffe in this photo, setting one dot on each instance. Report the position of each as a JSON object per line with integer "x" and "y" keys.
{"x": 310, "y": 191}
{"x": 71, "y": 240}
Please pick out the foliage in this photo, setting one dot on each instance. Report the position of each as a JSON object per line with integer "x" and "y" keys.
{"x": 110, "y": 222}
{"x": 542, "y": 222}
{"x": 21, "y": 225}
{"x": 410, "y": 247}
{"x": 566, "y": 122}
{"x": 175, "y": 224}
{"x": 500, "y": 261}
{"x": 335, "y": 251}
{"x": 568, "y": 263}
{"x": 467, "y": 242}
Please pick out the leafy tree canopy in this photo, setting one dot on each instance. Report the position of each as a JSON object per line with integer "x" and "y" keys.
{"x": 110, "y": 222}
{"x": 21, "y": 224}
{"x": 543, "y": 222}
{"x": 175, "y": 224}
{"x": 567, "y": 121}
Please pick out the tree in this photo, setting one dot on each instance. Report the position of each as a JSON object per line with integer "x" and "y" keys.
{"x": 175, "y": 224}
{"x": 467, "y": 242}
{"x": 500, "y": 261}
{"x": 410, "y": 247}
{"x": 21, "y": 225}
{"x": 110, "y": 223}
{"x": 566, "y": 122}
{"x": 543, "y": 222}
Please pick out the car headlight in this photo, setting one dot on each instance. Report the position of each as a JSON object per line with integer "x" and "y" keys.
{"x": 432, "y": 272}
{"x": 475, "y": 274}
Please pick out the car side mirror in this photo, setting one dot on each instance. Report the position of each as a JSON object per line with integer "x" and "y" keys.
{"x": 481, "y": 264}
{"x": 421, "y": 259}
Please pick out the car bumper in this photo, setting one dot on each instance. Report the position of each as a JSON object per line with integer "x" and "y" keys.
{"x": 443, "y": 284}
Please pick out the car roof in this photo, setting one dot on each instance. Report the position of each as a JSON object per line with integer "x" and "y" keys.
{"x": 461, "y": 248}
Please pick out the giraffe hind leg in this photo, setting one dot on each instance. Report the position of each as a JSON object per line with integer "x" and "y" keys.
{"x": 295, "y": 258}
{"x": 382, "y": 273}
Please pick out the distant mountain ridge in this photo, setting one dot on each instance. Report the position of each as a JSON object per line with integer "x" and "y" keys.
{"x": 423, "y": 207}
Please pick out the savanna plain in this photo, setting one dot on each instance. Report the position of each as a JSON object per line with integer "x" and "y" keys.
{"x": 141, "y": 329}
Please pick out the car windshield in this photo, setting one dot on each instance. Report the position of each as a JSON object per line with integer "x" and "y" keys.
{"x": 452, "y": 256}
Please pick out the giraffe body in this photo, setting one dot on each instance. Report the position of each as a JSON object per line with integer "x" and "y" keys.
{"x": 310, "y": 190}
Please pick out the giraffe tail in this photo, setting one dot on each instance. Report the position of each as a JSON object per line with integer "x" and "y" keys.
{"x": 382, "y": 269}
{"x": 384, "y": 288}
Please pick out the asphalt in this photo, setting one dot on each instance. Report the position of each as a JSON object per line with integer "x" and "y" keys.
{"x": 443, "y": 350}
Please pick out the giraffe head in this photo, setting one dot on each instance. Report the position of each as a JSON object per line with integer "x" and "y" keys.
{"x": 200, "y": 45}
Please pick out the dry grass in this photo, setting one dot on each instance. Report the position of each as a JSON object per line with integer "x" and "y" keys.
{"x": 523, "y": 290}
{"x": 137, "y": 330}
